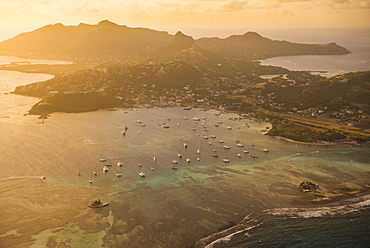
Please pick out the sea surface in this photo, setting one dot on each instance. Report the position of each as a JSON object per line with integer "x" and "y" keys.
{"x": 354, "y": 40}
{"x": 248, "y": 202}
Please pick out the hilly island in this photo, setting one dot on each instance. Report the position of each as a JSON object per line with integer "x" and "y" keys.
{"x": 121, "y": 67}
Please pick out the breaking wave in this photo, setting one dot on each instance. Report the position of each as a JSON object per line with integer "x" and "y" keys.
{"x": 348, "y": 206}
{"x": 224, "y": 236}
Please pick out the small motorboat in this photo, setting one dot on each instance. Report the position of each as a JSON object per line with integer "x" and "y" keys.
{"x": 98, "y": 204}
{"x": 142, "y": 174}
{"x": 175, "y": 161}
{"x": 118, "y": 174}
{"x": 119, "y": 164}
{"x": 226, "y": 160}
{"x": 174, "y": 167}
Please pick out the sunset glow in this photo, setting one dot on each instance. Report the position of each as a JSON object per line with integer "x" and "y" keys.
{"x": 18, "y": 16}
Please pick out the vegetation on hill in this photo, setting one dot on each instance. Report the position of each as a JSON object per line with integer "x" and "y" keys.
{"x": 179, "y": 71}
{"x": 253, "y": 46}
{"x": 108, "y": 41}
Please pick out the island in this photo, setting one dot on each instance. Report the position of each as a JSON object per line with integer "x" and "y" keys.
{"x": 178, "y": 71}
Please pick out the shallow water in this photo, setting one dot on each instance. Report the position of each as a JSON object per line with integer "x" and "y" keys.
{"x": 167, "y": 208}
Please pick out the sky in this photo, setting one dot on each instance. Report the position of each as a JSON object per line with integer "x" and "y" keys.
{"x": 199, "y": 18}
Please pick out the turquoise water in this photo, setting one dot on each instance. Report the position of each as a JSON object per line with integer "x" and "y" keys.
{"x": 167, "y": 208}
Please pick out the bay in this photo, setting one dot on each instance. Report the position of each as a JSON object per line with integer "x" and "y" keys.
{"x": 44, "y": 200}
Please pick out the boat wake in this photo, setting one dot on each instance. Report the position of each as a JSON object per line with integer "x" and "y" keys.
{"x": 348, "y": 206}
{"x": 23, "y": 177}
{"x": 226, "y": 235}
{"x": 303, "y": 154}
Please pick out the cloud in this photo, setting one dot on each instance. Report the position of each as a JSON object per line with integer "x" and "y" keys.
{"x": 348, "y": 4}
{"x": 234, "y": 5}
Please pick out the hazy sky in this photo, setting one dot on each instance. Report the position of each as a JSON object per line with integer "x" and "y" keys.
{"x": 18, "y": 16}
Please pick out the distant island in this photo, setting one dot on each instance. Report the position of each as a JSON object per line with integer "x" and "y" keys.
{"x": 121, "y": 67}
{"x": 108, "y": 41}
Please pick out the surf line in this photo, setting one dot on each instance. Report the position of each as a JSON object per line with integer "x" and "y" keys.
{"x": 23, "y": 177}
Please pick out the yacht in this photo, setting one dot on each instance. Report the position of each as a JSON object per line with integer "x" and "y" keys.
{"x": 174, "y": 167}
{"x": 246, "y": 151}
{"x": 240, "y": 145}
{"x": 265, "y": 150}
{"x": 226, "y": 160}
{"x": 175, "y": 162}
{"x": 215, "y": 154}
{"x": 254, "y": 156}
{"x": 226, "y": 147}
{"x": 118, "y": 174}
{"x": 221, "y": 141}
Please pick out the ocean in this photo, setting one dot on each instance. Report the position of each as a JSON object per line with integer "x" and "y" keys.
{"x": 354, "y": 40}
{"x": 247, "y": 202}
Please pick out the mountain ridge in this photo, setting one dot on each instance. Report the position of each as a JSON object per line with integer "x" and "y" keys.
{"x": 108, "y": 41}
